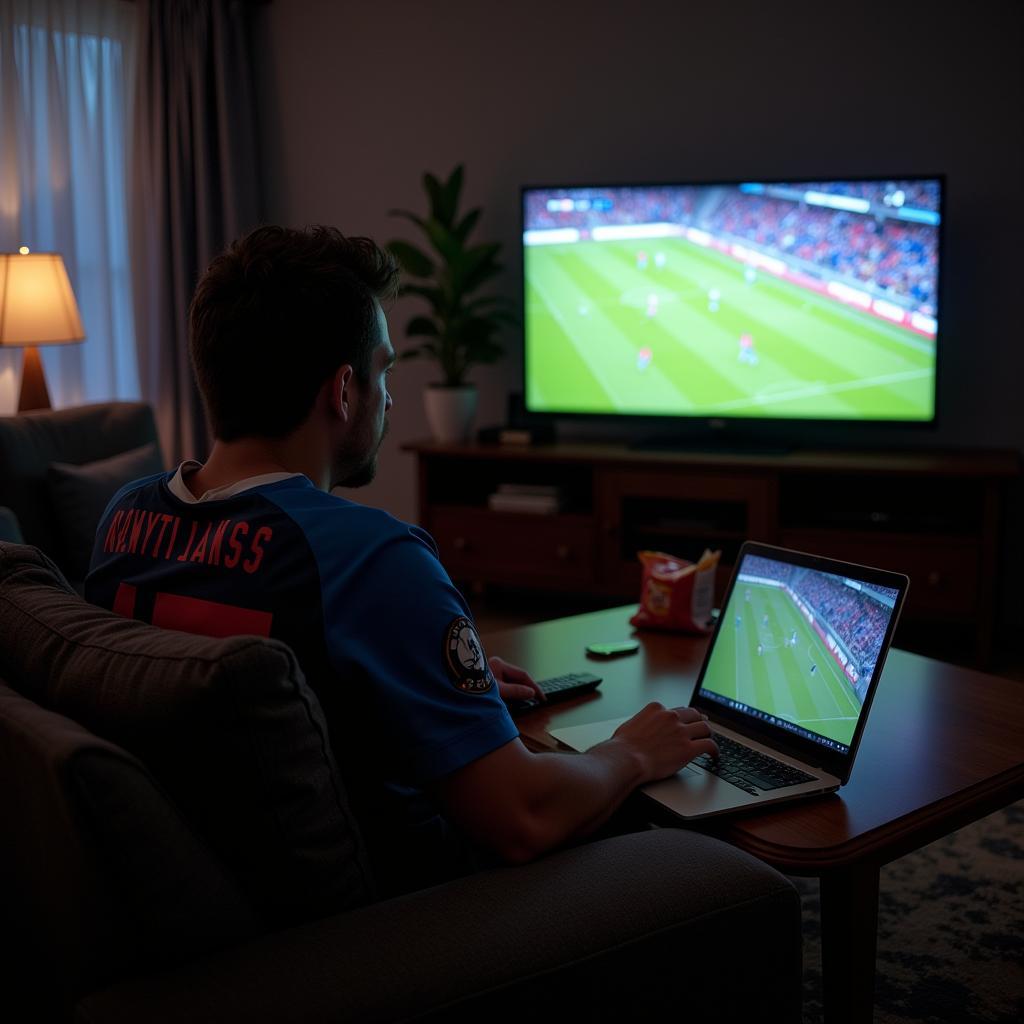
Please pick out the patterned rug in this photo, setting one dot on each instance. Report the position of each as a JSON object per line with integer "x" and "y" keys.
{"x": 950, "y": 930}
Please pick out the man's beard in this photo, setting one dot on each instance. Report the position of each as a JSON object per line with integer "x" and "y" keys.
{"x": 364, "y": 472}
{"x": 361, "y": 475}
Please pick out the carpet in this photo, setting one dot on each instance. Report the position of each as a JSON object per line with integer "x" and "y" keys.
{"x": 950, "y": 930}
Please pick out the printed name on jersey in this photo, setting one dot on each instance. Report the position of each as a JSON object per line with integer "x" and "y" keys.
{"x": 168, "y": 537}
{"x": 467, "y": 664}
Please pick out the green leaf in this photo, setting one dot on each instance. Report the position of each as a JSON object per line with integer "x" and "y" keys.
{"x": 466, "y": 225}
{"x": 452, "y": 188}
{"x": 436, "y": 198}
{"x": 445, "y": 242}
{"x": 485, "y": 304}
{"x": 409, "y": 215}
{"x": 434, "y": 296}
{"x": 476, "y": 330}
{"x": 490, "y": 353}
{"x": 411, "y": 259}
{"x": 482, "y": 264}
{"x": 421, "y": 325}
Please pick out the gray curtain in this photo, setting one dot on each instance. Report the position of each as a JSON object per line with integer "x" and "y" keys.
{"x": 195, "y": 185}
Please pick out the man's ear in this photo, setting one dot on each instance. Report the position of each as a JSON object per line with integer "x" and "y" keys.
{"x": 339, "y": 393}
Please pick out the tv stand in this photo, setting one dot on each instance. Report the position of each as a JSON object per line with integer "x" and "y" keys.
{"x": 712, "y": 445}
{"x": 934, "y": 515}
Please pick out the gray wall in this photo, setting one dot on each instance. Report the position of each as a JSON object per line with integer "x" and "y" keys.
{"x": 360, "y": 98}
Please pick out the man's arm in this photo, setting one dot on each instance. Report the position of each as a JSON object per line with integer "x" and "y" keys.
{"x": 520, "y": 804}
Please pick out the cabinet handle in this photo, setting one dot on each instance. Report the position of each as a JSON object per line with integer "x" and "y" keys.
{"x": 460, "y": 544}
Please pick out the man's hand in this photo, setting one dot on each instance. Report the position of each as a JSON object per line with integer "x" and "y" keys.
{"x": 514, "y": 683}
{"x": 664, "y": 739}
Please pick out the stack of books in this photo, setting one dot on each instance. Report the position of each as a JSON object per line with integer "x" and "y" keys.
{"x": 539, "y": 499}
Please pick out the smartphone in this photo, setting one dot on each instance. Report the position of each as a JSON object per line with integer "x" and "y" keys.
{"x": 609, "y": 650}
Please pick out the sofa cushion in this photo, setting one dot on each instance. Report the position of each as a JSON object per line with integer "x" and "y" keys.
{"x": 99, "y": 874}
{"x": 228, "y": 726}
{"x": 80, "y": 495}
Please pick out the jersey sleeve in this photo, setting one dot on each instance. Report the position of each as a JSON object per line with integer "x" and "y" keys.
{"x": 396, "y": 623}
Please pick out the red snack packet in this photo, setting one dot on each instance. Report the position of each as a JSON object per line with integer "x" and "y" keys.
{"x": 676, "y": 594}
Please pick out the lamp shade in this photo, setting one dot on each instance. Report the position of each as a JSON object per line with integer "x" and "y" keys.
{"x": 37, "y": 305}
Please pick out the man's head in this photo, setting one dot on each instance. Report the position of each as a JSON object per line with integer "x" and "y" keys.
{"x": 283, "y": 320}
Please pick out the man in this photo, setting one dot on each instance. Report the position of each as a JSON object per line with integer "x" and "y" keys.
{"x": 291, "y": 352}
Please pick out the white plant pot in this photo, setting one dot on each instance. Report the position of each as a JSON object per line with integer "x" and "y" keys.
{"x": 450, "y": 411}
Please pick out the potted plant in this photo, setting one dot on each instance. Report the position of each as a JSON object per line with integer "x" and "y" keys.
{"x": 460, "y": 330}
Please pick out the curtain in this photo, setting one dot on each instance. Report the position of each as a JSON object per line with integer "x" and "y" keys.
{"x": 65, "y": 73}
{"x": 195, "y": 186}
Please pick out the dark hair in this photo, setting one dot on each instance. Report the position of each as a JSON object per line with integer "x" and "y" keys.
{"x": 274, "y": 316}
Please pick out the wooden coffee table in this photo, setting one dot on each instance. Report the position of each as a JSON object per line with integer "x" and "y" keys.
{"x": 943, "y": 747}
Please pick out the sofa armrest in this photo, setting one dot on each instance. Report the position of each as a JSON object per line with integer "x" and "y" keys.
{"x": 664, "y": 919}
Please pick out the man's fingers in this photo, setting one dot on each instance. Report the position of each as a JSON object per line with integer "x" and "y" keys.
{"x": 516, "y": 691}
{"x": 705, "y": 746}
{"x": 698, "y": 730}
{"x": 511, "y": 673}
{"x": 690, "y": 714}
{"x": 516, "y": 675}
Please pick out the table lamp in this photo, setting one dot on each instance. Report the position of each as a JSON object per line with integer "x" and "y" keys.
{"x": 37, "y": 307}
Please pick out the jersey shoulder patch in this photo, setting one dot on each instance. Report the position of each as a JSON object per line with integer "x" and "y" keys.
{"x": 464, "y": 655}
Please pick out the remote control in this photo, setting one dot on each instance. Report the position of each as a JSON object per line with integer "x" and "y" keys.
{"x": 557, "y": 688}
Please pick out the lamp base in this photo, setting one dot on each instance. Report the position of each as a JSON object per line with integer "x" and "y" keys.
{"x": 34, "y": 394}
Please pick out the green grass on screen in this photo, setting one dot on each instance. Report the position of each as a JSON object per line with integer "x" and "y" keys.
{"x": 589, "y": 319}
{"x": 779, "y": 680}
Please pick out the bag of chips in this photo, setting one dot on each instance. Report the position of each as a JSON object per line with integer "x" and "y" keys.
{"x": 676, "y": 594}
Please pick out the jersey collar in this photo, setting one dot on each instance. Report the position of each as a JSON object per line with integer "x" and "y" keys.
{"x": 179, "y": 488}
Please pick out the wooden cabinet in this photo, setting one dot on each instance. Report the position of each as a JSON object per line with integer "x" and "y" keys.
{"x": 932, "y": 515}
{"x": 503, "y": 547}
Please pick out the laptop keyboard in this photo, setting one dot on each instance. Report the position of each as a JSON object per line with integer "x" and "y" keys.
{"x": 749, "y": 769}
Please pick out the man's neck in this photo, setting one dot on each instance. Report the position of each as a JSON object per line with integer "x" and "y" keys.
{"x": 232, "y": 461}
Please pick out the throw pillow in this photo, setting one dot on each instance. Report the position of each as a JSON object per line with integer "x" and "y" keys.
{"x": 80, "y": 495}
{"x": 229, "y": 727}
{"x": 10, "y": 529}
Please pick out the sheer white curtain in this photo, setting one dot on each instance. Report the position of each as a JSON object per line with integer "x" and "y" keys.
{"x": 65, "y": 88}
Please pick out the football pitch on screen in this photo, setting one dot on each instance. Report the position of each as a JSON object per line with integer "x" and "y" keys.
{"x": 779, "y": 680}
{"x": 654, "y": 327}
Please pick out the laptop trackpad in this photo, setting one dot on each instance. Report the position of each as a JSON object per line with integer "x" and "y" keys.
{"x": 583, "y": 737}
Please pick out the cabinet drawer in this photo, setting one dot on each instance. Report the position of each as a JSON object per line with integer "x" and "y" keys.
{"x": 503, "y": 547}
{"x": 944, "y": 574}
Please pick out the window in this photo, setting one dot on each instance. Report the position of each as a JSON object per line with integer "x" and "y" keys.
{"x": 65, "y": 88}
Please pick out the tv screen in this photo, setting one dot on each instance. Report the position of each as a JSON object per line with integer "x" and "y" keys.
{"x": 789, "y": 300}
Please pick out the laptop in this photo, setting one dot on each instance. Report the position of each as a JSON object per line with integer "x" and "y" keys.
{"x": 787, "y": 682}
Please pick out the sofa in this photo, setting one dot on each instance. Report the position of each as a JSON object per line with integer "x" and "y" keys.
{"x": 60, "y": 467}
{"x": 178, "y": 847}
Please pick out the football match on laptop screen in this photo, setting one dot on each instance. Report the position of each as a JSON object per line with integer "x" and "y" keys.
{"x": 798, "y": 647}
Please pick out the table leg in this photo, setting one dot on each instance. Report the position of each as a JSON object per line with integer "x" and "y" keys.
{"x": 849, "y": 937}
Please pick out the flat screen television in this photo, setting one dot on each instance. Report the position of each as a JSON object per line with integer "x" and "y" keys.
{"x": 748, "y": 301}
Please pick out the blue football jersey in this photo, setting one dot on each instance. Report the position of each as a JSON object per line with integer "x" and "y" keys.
{"x": 383, "y": 636}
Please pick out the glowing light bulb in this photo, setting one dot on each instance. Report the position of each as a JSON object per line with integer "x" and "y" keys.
{"x": 24, "y": 250}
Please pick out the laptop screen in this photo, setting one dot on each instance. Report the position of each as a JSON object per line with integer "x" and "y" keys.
{"x": 798, "y": 648}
